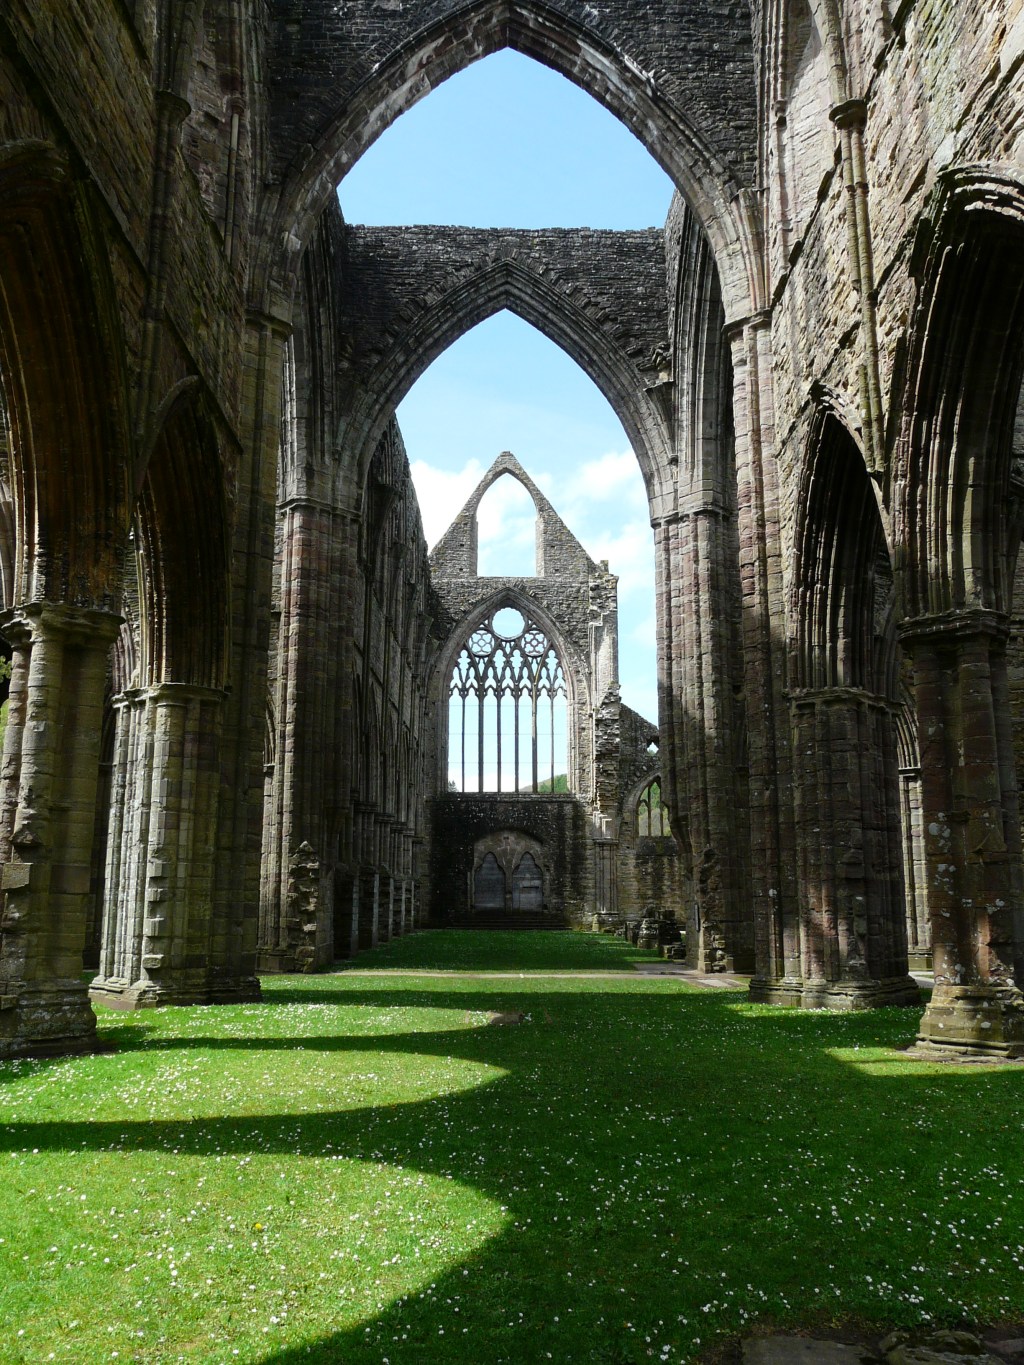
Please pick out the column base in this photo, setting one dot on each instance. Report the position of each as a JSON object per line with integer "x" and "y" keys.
{"x": 784, "y": 990}
{"x": 840, "y": 996}
{"x": 919, "y": 962}
{"x": 54, "y": 1021}
{"x": 139, "y": 995}
{"x": 964, "y": 1022}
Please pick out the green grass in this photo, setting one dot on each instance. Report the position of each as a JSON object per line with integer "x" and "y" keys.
{"x": 362, "y": 1169}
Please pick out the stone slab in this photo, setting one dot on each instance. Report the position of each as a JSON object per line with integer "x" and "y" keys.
{"x": 803, "y": 1351}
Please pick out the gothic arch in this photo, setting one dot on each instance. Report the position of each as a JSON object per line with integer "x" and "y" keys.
{"x": 965, "y": 364}
{"x": 416, "y": 66}
{"x": 182, "y": 543}
{"x": 60, "y": 360}
{"x": 850, "y": 933}
{"x": 841, "y": 598}
{"x": 510, "y": 285}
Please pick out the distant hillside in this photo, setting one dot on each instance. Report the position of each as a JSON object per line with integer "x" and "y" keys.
{"x": 559, "y": 783}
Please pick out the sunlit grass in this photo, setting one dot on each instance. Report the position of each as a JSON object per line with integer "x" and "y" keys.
{"x": 364, "y": 1169}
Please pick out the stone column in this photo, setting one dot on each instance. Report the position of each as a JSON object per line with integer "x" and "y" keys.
{"x": 700, "y": 766}
{"x": 919, "y": 934}
{"x": 159, "y": 937}
{"x": 606, "y": 869}
{"x": 308, "y": 695}
{"x": 849, "y": 863}
{"x": 971, "y": 831}
{"x": 777, "y": 938}
{"x": 367, "y": 878}
{"x": 47, "y": 815}
{"x": 243, "y": 732}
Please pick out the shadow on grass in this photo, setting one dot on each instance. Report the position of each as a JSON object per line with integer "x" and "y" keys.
{"x": 468, "y": 950}
{"x": 643, "y": 1144}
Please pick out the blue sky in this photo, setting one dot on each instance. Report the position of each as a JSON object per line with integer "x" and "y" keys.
{"x": 508, "y": 143}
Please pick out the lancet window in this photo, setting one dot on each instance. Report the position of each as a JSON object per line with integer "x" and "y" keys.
{"x": 651, "y": 815}
{"x": 507, "y": 709}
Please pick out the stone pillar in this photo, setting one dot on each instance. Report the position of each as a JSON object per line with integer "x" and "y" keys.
{"x": 700, "y": 763}
{"x": 971, "y": 831}
{"x": 47, "y": 815}
{"x": 369, "y": 907}
{"x": 308, "y": 694}
{"x": 367, "y": 879}
{"x": 849, "y": 856}
{"x": 383, "y": 845}
{"x": 777, "y": 936}
{"x": 159, "y": 939}
{"x": 243, "y": 732}
{"x": 398, "y": 927}
{"x": 606, "y": 881}
{"x": 919, "y": 933}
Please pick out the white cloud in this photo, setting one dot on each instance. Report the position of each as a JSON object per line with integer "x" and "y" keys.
{"x": 442, "y": 494}
{"x": 615, "y": 475}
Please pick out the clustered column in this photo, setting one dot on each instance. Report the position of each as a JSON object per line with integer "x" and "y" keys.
{"x": 158, "y": 912}
{"x": 971, "y": 829}
{"x": 846, "y": 794}
{"x": 47, "y": 813}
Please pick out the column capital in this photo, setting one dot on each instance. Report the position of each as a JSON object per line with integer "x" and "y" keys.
{"x": 955, "y": 627}
{"x": 752, "y": 322}
{"x": 834, "y": 696}
{"x": 180, "y": 694}
{"x": 81, "y": 626}
{"x": 850, "y": 114}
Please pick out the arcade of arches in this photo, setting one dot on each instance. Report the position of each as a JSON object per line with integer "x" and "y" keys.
{"x": 223, "y": 748}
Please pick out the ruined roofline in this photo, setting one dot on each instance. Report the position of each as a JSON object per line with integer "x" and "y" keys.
{"x": 451, "y": 545}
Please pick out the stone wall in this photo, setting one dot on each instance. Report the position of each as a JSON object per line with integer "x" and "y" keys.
{"x": 558, "y": 823}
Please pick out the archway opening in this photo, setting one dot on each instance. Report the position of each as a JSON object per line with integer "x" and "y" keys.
{"x": 502, "y": 166}
{"x": 505, "y": 386}
{"x": 506, "y": 531}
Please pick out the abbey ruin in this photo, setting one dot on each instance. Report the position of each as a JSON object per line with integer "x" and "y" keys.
{"x": 234, "y": 665}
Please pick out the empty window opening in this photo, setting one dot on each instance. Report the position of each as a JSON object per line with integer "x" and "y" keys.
{"x": 507, "y": 716}
{"x": 651, "y": 815}
{"x": 505, "y": 386}
{"x": 506, "y": 522}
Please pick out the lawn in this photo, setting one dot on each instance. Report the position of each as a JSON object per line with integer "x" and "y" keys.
{"x": 366, "y": 1169}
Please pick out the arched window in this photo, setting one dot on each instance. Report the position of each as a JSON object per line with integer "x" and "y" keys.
{"x": 651, "y": 815}
{"x": 507, "y": 709}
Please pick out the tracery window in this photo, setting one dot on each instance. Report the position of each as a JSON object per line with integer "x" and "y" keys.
{"x": 651, "y": 815}
{"x": 507, "y": 709}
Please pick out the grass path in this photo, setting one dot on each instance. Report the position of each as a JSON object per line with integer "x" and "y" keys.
{"x": 363, "y": 1169}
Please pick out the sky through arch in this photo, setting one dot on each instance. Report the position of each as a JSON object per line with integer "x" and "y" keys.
{"x": 510, "y": 143}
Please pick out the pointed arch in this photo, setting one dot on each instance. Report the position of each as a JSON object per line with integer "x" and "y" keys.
{"x": 842, "y": 595}
{"x": 182, "y": 544}
{"x": 573, "y": 49}
{"x": 965, "y": 361}
{"x": 511, "y": 285}
{"x": 62, "y": 367}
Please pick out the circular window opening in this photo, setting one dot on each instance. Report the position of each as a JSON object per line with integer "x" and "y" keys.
{"x": 508, "y": 623}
